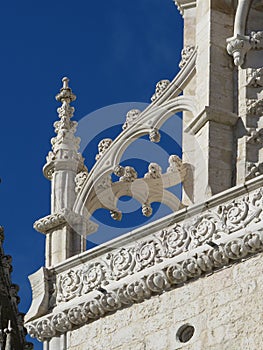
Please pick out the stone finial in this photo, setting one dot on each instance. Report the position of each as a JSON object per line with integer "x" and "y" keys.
{"x": 65, "y": 145}
{"x": 65, "y": 93}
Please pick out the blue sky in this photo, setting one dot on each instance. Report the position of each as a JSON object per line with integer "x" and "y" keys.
{"x": 113, "y": 52}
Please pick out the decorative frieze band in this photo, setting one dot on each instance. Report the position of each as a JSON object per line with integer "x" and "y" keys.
{"x": 155, "y": 282}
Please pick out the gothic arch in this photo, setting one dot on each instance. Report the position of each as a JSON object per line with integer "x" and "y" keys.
{"x": 150, "y": 120}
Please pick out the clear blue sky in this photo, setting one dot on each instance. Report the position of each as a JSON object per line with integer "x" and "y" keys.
{"x": 113, "y": 52}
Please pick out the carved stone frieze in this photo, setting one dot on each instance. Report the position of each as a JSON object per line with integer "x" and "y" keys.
{"x": 210, "y": 226}
{"x": 255, "y": 77}
{"x": 161, "y": 86}
{"x": 185, "y": 55}
{"x": 152, "y": 283}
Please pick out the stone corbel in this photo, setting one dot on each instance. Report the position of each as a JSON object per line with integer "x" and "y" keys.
{"x": 65, "y": 216}
{"x": 40, "y": 289}
{"x": 238, "y": 46}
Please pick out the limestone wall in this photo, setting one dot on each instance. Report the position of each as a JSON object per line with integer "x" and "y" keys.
{"x": 225, "y": 309}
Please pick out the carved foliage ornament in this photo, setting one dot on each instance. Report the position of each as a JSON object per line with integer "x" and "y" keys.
{"x": 161, "y": 86}
{"x": 171, "y": 276}
{"x": 239, "y": 45}
{"x": 211, "y": 226}
{"x": 255, "y": 77}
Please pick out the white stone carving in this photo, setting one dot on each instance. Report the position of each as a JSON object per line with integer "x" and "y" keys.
{"x": 154, "y": 135}
{"x": 255, "y": 136}
{"x": 255, "y": 107}
{"x": 131, "y": 118}
{"x": 255, "y": 77}
{"x": 80, "y": 179}
{"x": 254, "y": 170}
{"x": 65, "y": 145}
{"x": 175, "y": 163}
{"x": 157, "y": 282}
{"x": 147, "y": 210}
{"x": 186, "y": 54}
{"x": 63, "y": 216}
{"x": 210, "y": 226}
{"x": 103, "y": 146}
{"x": 154, "y": 171}
{"x": 161, "y": 86}
{"x": 239, "y": 45}
{"x": 184, "y": 5}
{"x": 256, "y": 40}
{"x": 127, "y": 173}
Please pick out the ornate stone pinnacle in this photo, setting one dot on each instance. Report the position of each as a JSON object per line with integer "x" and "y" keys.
{"x": 65, "y": 93}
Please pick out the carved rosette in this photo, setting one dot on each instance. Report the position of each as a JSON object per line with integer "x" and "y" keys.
{"x": 61, "y": 323}
{"x": 121, "y": 263}
{"x": 176, "y": 240}
{"x": 44, "y": 330}
{"x": 146, "y": 254}
{"x": 69, "y": 285}
{"x": 77, "y": 316}
{"x": 93, "y": 276}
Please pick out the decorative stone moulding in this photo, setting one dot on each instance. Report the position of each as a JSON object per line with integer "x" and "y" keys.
{"x": 186, "y": 246}
{"x": 153, "y": 283}
{"x": 239, "y": 45}
{"x": 184, "y": 5}
{"x": 64, "y": 216}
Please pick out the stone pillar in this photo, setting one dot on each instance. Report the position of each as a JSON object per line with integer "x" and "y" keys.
{"x": 208, "y": 138}
{"x": 64, "y": 229}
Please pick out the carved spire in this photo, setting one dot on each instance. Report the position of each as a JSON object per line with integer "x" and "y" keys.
{"x": 65, "y": 146}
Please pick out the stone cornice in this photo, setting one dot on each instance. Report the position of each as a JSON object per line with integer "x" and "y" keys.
{"x": 183, "y": 5}
{"x": 144, "y": 285}
{"x": 211, "y": 114}
{"x": 130, "y": 269}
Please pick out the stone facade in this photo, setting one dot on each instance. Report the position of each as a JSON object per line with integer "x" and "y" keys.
{"x": 191, "y": 280}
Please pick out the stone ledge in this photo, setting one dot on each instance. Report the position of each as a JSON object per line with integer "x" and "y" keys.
{"x": 140, "y": 288}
